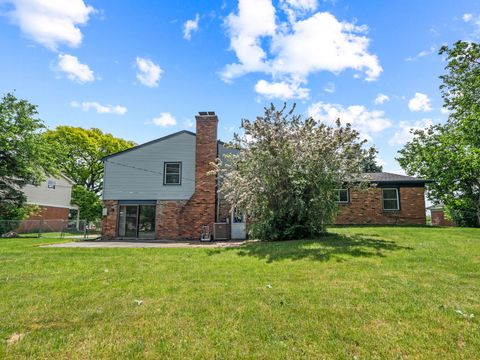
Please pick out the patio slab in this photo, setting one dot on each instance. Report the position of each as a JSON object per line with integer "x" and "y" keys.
{"x": 146, "y": 244}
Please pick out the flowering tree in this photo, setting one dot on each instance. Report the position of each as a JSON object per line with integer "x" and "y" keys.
{"x": 286, "y": 172}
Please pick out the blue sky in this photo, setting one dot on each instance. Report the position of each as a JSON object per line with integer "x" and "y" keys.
{"x": 143, "y": 69}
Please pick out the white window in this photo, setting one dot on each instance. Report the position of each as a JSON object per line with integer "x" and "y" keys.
{"x": 342, "y": 197}
{"x": 390, "y": 199}
{"x": 172, "y": 173}
{"x": 51, "y": 184}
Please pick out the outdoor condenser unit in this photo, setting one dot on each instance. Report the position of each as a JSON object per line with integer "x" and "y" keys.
{"x": 221, "y": 231}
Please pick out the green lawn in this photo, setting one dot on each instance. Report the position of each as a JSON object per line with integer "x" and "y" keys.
{"x": 360, "y": 293}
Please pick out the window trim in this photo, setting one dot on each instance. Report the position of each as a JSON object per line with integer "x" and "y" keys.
{"x": 51, "y": 184}
{"x": 397, "y": 192}
{"x": 348, "y": 197}
{"x": 165, "y": 163}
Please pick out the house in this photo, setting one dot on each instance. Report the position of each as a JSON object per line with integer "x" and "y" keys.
{"x": 390, "y": 199}
{"x": 437, "y": 213}
{"x": 53, "y": 198}
{"x": 161, "y": 190}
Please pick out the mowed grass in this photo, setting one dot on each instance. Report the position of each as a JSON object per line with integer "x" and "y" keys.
{"x": 360, "y": 293}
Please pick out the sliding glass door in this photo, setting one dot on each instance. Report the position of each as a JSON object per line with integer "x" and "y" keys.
{"x": 146, "y": 221}
{"x": 136, "y": 221}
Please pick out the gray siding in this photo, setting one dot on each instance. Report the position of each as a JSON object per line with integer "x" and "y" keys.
{"x": 222, "y": 150}
{"x": 138, "y": 174}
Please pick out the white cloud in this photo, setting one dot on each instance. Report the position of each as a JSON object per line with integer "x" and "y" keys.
{"x": 190, "y": 26}
{"x": 164, "y": 120}
{"x": 99, "y": 108}
{"x": 51, "y": 22}
{"x": 422, "y": 53}
{"x": 420, "y": 102}
{"x": 255, "y": 19}
{"x": 188, "y": 123}
{"x": 381, "y": 99}
{"x": 282, "y": 89}
{"x": 305, "y": 5}
{"x": 381, "y": 161}
{"x": 363, "y": 120}
{"x": 473, "y": 20}
{"x": 74, "y": 69}
{"x": 467, "y": 17}
{"x": 445, "y": 111}
{"x": 148, "y": 73}
{"x": 296, "y": 8}
{"x": 404, "y": 134}
{"x": 329, "y": 87}
{"x": 297, "y": 49}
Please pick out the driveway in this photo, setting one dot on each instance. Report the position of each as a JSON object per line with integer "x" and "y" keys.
{"x": 147, "y": 244}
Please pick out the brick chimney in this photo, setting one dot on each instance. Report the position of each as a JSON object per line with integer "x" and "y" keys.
{"x": 205, "y": 152}
{"x": 200, "y": 209}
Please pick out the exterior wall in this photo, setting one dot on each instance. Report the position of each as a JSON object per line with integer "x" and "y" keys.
{"x": 365, "y": 207}
{"x": 49, "y": 218}
{"x": 181, "y": 212}
{"x": 50, "y": 213}
{"x": 168, "y": 219}
{"x": 223, "y": 211}
{"x": 138, "y": 174}
{"x": 41, "y": 195}
{"x": 438, "y": 218}
{"x": 109, "y": 221}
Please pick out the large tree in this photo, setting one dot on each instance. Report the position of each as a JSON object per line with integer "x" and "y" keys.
{"x": 24, "y": 157}
{"x": 79, "y": 153}
{"x": 370, "y": 164}
{"x": 287, "y": 172}
{"x": 88, "y": 202}
{"x": 450, "y": 153}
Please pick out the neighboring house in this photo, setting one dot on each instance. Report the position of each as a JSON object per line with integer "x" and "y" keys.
{"x": 161, "y": 190}
{"x": 437, "y": 213}
{"x": 53, "y": 198}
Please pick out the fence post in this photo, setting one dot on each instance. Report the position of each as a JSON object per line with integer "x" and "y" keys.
{"x": 39, "y": 227}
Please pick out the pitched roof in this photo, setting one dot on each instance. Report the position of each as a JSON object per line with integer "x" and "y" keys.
{"x": 385, "y": 177}
{"x": 149, "y": 142}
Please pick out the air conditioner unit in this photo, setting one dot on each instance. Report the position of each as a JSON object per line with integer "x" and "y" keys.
{"x": 221, "y": 231}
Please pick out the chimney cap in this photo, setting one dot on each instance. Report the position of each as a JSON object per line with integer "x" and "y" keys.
{"x": 206, "y": 113}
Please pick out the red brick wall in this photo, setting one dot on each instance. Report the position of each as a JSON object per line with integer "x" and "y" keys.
{"x": 167, "y": 219}
{"x": 438, "y": 218}
{"x": 109, "y": 221}
{"x": 365, "y": 207}
{"x": 50, "y": 213}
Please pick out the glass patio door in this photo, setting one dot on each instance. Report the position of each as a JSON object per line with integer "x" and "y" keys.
{"x": 136, "y": 221}
{"x": 127, "y": 221}
{"x": 146, "y": 221}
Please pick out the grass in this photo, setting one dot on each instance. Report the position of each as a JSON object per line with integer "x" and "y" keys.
{"x": 360, "y": 293}
{"x": 58, "y": 234}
